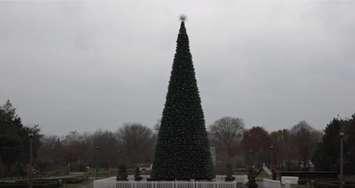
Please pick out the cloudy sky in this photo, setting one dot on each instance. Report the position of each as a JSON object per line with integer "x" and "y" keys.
{"x": 89, "y": 64}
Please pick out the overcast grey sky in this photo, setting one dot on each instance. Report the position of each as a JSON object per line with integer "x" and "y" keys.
{"x": 89, "y": 64}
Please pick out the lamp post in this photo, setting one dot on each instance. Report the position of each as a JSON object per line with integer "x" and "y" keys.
{"x": 95, "y": 160}
{"x": 341, "y": 176}
{"x": 30, "y": 169}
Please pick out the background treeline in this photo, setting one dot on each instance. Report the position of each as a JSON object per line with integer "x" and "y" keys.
{"x": 286, "y": 149}
{"x": 132, "y": 144}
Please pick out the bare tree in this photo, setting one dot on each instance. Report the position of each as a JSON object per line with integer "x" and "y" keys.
{"x": 74, "y": 150}
{"x": 136, "y": 142}
{"x": 226, "y": 134}
{"x": 104, "y": 148}
{"x": 51, "y": 153}
{"x": 304, "y": 140}
{"x": 256, "y": 143}
{"x": 282, "y": 150}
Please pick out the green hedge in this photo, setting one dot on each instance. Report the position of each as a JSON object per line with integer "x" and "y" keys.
{"x": 52, "y": 184}
{"x": 333, "y": 184}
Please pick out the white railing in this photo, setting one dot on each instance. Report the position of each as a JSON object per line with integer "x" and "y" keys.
{"x": 289, "y": 180}
{"x": 239, "y": 182}
{"x": 241, "y": 178}
{"x": 166, "y": 184}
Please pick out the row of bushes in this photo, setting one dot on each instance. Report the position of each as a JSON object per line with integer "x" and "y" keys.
{"x": 333, "y": 184}
{"x": 36, "y": 184}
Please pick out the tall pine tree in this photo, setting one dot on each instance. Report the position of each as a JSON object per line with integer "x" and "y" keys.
{"x": 182, "y": 151}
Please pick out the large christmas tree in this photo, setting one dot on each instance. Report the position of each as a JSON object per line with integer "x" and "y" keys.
{"x": 182, "y": 151}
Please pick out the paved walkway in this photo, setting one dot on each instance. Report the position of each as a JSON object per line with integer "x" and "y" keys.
{"x": 105, "y": 183}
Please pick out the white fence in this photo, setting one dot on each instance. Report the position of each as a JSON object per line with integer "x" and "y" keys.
{"x": 289, "y": 180}
{"x": 112, "y": 183}
{"x": 241, "y": 178}
{"x": 238, "y": 178}
{"x": 239, "y": 182}
{"x": 175, "y": 184}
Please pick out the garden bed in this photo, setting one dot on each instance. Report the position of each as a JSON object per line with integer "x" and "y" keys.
{"x": 332, "y": 184}
{"x": 24, "y": 184}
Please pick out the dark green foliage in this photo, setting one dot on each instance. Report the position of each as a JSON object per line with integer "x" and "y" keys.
{"x": 350, "y": 146}
{"x": 137, "y": 174}
{"x": 14, "y": 141}
{"x": 182, "y": 150}
{"x": 122, "y": 174}
{"x": 327, "y": 153}
{"x": 229, "y": 173}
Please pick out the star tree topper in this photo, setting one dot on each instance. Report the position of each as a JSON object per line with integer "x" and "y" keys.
{"x": 182, "y": 17}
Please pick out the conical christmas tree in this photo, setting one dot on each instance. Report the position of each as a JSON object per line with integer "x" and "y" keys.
{"x": 182, "y": 151}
